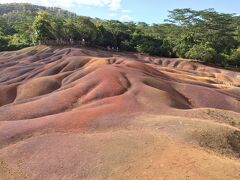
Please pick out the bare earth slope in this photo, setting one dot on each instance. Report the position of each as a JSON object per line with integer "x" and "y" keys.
{"x": 74, "y": 113}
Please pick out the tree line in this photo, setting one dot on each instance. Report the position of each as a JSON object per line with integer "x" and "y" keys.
{"x": 204, "y": 35}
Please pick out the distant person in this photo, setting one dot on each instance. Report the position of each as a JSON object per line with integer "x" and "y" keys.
{"x": 83, "y": 42}
{"x": 108, "y": 48}
{"x": 71, "y": 41}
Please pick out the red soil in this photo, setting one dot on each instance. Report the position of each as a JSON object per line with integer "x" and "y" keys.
{"x": 48, "y": 90}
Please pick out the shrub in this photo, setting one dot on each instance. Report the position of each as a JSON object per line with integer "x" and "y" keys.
{"x": 3, "y": 42}
{"x": 181, "y": 49}
{"x": 202, "y": 52}
{"x": 235, "y": 57}
{"x": 153, "y": 46}
{"x": 149, "y": 45}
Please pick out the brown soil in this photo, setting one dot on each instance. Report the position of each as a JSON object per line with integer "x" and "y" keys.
{"x": 89, "y": 114}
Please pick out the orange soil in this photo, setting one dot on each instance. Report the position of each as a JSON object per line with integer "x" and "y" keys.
{"x": 89, "y": 114}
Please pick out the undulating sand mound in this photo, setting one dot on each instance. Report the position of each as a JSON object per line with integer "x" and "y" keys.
{"x": 70, "y": 113}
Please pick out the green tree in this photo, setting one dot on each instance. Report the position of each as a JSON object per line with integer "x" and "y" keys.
{"x": 104, "y": 37}
{"x": 198, "y": 28}
{"x": 235, "y": 57}
{"x": 119, "y": 30}
{"x": 42, "y": 28}
{"x": 202, "y": 52}
{"x": 3, "y": 42}
{"x": 86, "y": 29}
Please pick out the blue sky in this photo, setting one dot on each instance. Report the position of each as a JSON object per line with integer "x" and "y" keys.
{"x": 150, "y": 11}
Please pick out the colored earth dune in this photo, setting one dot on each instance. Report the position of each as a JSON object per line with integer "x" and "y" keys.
{"x": 76, "y": 113}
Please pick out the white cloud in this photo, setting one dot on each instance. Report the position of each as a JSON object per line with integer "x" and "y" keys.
{"x": 125, "y": 18}
{"x": 113, "y": 5}
{"x": 113, "y": 14}
{"x": 125, "y": 11}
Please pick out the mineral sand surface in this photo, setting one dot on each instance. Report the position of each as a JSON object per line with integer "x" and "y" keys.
{"x": 75, "y": 113}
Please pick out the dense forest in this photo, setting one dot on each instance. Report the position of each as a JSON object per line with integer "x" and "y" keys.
{"x": 204, "y": 35}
